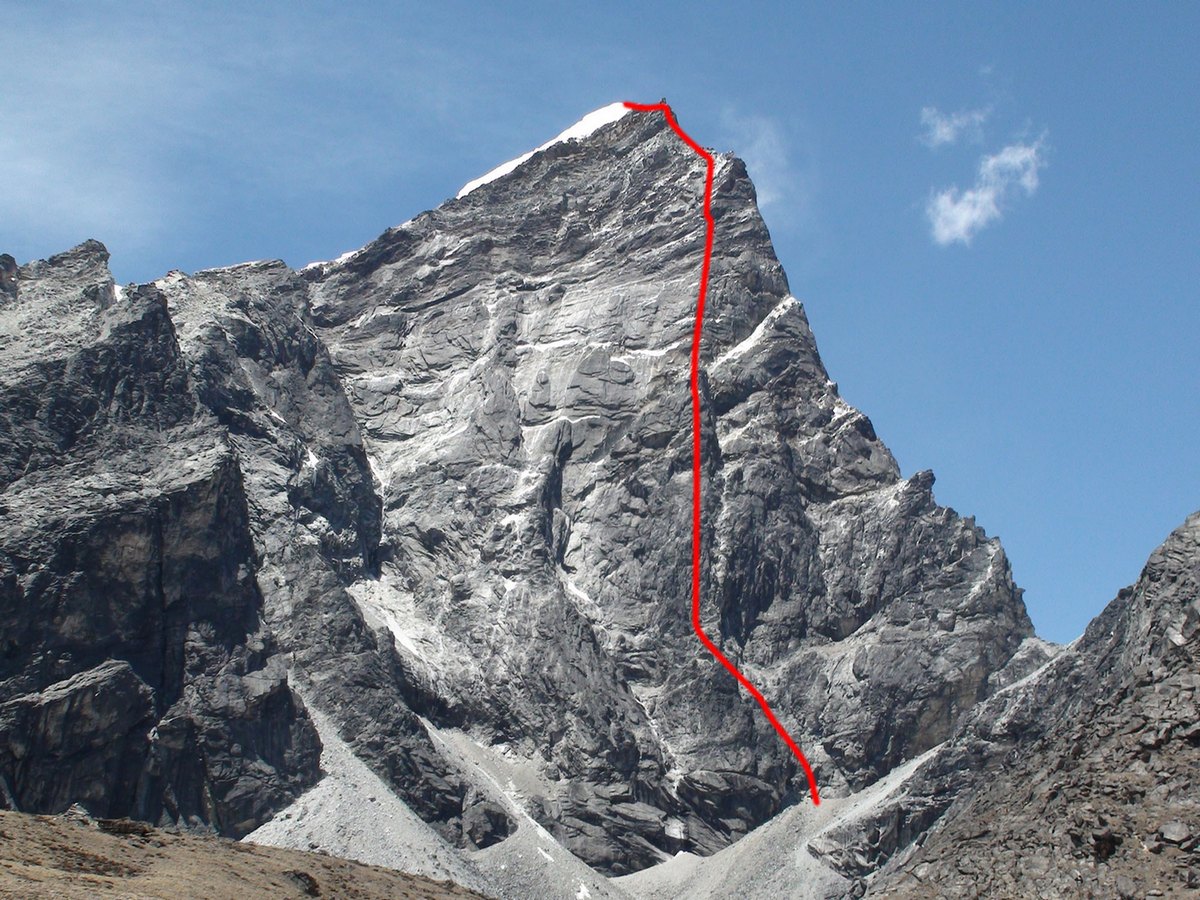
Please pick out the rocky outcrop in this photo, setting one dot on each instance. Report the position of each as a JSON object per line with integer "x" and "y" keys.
{"x": 250, "y": 347}
{"x": 1087, "y": 770}
{"x": 71, "y": 742}
{"x": 135, "y": 671}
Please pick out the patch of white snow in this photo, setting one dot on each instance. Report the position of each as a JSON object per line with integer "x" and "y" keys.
{"x": 757, "y": 334}
{"x": 581, "y": 129}
{"x": 383, "y": 477}
{"x": 330, "y": 263}
{"x": 250, "y": 263}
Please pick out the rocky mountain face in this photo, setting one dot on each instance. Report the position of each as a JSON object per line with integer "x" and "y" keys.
{"x": 1076, "y": 780}
{"x": 1089, "y": 783}
{"x": 517, "y": 360}
{"x": 136, "y": 673}
{"x": 432, "y": 499}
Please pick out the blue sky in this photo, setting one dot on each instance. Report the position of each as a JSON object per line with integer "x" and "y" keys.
{"x": 1041, "y": 358}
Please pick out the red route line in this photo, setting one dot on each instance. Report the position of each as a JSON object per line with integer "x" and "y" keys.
{"x": 695, "y": 383}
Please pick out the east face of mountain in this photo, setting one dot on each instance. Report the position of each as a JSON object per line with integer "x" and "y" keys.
{"x": 443, "y": 485}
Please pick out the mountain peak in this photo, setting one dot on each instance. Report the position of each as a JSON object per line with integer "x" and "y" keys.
{"x": 590, "y": 123}
{"x": 427, "y": 511}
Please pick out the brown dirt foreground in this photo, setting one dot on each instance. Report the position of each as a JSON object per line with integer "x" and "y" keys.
{"x": 52, "y": 856}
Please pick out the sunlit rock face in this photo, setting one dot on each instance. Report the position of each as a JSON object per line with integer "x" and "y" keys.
{"x": 457, "y": 473}
{"x": 517, "y": 362}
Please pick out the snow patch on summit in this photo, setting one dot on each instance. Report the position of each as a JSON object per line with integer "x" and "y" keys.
{"x": 581, "y": 129}
{"x": 330, "y": 263}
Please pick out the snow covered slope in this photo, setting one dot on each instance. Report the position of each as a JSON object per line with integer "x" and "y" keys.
{"x": 581, "y": 129}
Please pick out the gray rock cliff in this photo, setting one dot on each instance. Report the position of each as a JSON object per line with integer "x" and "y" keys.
{"x": 1088, "y": 772}
{"x": 136, "y": 675}
{"x": 443, "y": 485}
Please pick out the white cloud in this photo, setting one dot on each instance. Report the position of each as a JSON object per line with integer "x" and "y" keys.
{"x": 759, "y": 141}
{"x": 947, "y": 128}
{"x": 957, "y": 216}
{"x": 783, "y": 160}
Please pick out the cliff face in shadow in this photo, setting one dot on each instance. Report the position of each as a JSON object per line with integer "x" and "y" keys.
{"x": 1089, "y": 786}
{"x": 136, "y": 676}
